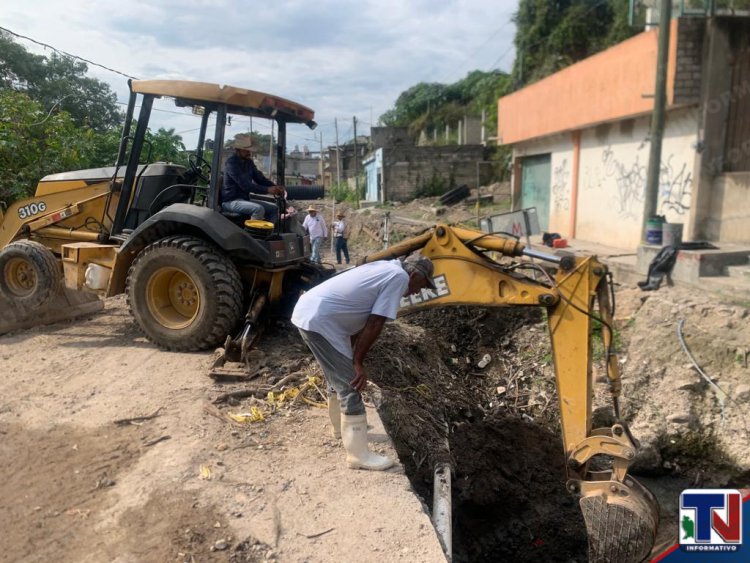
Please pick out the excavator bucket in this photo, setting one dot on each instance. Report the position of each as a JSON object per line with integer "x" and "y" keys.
{"x": 621, "y": 520}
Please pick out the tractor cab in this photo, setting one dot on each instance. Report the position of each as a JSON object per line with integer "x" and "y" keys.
{"x": 156, "y": 192}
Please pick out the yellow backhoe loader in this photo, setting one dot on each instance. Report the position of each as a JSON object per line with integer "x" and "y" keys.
{"x": 621, "y": 515}
{"x": 156, "y": 231}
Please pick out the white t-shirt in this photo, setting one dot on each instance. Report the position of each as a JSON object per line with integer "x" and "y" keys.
{"x": 316, "y": 226}
{"x": 338, "y": 308}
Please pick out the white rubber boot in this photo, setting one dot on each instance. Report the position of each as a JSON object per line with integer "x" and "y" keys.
{"x": 334, "y": 411}
{"x": 354, "y": 435}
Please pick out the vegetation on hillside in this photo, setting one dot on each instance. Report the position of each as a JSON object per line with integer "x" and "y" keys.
{"x": 550, "y": 35}
{"x": 553, "y": 35}
{"x": 431, "y": 106}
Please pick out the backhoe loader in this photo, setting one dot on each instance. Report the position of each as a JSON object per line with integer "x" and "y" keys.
{"x": 156, "y": 231}
{"x": 476, "y": 268}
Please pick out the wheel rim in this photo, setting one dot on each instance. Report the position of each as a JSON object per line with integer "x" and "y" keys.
{"x": 20, "y": 277}
{"x": 172, "y": 298}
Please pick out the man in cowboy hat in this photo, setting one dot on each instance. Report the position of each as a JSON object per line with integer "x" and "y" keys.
{"x": 242, "y": 178}
{"x": 340, "y": 234}
{"x": 316, "y": 227}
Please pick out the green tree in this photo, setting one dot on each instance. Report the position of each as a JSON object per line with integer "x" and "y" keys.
{"x": 35, "y": 142}
{"x": 59, "y": 84}
{"x": 166, "y": 146}
{"x": 551, "y": 35}
{"x": 429, "y": 106}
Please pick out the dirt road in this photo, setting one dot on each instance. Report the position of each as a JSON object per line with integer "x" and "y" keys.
{"x": 186, "y": 486}
{"x": 183, "y": 485}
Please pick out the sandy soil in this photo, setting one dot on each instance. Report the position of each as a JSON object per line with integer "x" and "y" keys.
{"x": 183, "y": 485}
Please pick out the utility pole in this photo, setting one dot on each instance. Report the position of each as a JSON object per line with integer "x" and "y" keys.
{"x": 657, "y": 117}
{"x": 282, "y": 181}
{"x": 338, "y": 153}
{"x": 321, "y": 159}
{"x": 356, "y": 162}
{"x": 333, "y": 199}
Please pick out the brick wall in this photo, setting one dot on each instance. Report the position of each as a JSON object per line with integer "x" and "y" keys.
{"x": 687, "y": 80}
{"x": 411, "y": 171}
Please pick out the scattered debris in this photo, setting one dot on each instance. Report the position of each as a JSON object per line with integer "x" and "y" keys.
{"x": 317, "y": 535}
{"x": 137, "y": 419}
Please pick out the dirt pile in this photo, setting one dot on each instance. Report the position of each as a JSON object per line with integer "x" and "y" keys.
{"x": 676, "y": 412}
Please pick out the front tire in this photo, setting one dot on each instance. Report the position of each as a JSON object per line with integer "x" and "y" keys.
{"x": 30, "y": 275}
{"x": 184, "y": 293}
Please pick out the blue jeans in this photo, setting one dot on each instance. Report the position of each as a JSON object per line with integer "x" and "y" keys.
{"x": 341, "y": 247}
{"x": 316, "y": 244}
{"x": 254, "y": 209}
{"x": 244, "y": 207}
{"x": 338, "y": 370}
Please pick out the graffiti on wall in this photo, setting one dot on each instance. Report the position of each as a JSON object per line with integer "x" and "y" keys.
{"x": 560, "y": 183}
{"x": 630, "y": 181}
{"x": 675, "y": 187}
{"x": 675, "y": 183}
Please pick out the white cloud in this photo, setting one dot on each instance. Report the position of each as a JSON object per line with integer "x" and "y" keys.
{"x": 339, "y": 57}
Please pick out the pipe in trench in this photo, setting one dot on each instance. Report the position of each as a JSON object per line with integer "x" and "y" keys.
{"x": 441, "y": 507}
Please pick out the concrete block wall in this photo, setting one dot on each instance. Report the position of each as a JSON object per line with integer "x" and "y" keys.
{"x": 390, "y": 136}
{"x": 408, "y": 170}
{"x": 612, "y": 177}
{"x": 689, "y": 62}
{"x": 729, "y": 217}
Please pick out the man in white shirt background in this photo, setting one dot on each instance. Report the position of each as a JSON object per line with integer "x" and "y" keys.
{"x": 340, "y": 320}
{"x": 315, "y": 226}
{"x": 340, "y": 234}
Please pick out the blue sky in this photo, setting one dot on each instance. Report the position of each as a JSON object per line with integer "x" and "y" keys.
{"x": 339, "y": 58}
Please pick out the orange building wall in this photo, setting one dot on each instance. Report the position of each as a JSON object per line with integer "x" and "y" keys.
{"x": 607, "y": 86}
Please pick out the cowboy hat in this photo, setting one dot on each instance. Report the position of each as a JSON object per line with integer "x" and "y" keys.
{"x": 340, "y": 214}
{"x": 244, "y": 142}
{"x": 311, "y": 208}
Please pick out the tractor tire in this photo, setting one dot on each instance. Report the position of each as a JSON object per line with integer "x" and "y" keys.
{"x": 184, "y": 293}
{"x": 30, "y": 275}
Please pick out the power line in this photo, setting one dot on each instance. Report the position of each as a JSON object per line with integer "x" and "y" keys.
{"x": 490, "y": 38}
{"x": 45, "y": 45}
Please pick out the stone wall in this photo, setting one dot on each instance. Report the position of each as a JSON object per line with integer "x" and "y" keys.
{"x": 409, "y": 172}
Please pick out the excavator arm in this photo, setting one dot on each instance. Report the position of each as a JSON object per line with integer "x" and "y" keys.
{"x": 621, "y": 515}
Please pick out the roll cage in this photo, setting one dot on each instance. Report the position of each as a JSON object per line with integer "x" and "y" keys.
{"x": 207, "y": 99}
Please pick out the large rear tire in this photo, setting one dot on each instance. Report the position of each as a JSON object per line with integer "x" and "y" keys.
{"x": 184, "y": 293}
{"x": 30, "y": 275}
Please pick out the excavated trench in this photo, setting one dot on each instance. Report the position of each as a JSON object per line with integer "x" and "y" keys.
{"x": 509, "y": 499}
{"x": 498, "y": 426}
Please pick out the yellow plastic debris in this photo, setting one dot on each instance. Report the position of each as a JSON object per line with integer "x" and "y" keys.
{"x": 205, "y": 472}
{"x": 255, "y": 415}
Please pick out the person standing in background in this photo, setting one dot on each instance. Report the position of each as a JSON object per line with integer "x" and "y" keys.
{"x": 316, "y": 228}
{"x": 340, "y": 234}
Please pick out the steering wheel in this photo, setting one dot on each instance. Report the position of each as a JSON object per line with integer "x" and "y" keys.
{"x": 200, "y": 167}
